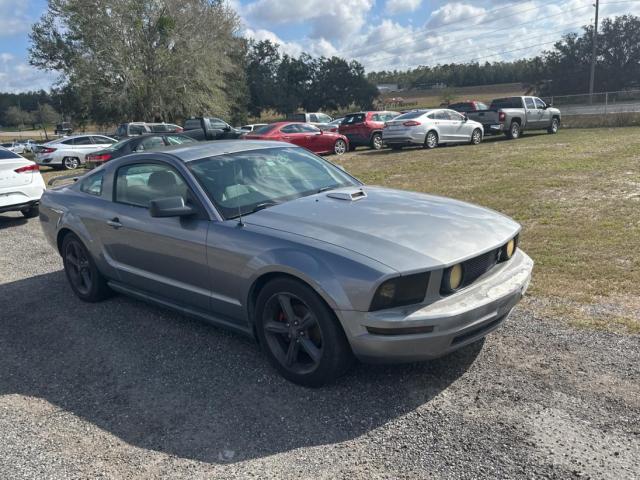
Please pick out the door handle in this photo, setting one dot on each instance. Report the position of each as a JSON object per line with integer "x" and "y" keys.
{"x": 114, "y": 222}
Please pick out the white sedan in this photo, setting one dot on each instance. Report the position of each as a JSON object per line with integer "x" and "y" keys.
{"x": 70, "y": 152}
{"x": 21, "y": 184}
{"x": 431, "y": 128}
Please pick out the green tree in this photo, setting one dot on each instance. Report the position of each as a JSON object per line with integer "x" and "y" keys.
{"x": 263, "y": 61}
{"x": 16, "y": 117}
{"x": 140, "y": 60}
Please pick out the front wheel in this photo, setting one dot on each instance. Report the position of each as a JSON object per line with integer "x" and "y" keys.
{"x": 70, "y": 163}
{"x": 300, "y": 334}
{"x": 82, "y": 273}
{"x": 476, "y": 137}
{"x": 340, "y": 147}
{"x": 431, "y": 140}
{"x": 376, "y": 141}
{"x": 553, "y": 128}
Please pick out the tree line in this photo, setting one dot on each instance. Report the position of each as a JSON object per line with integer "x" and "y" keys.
{"x": 562, "y": 70}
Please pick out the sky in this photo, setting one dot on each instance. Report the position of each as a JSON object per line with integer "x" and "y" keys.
{"x": 381, "y": 34}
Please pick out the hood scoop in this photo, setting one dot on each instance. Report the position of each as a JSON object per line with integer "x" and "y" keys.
{"x": 350, "y": 196}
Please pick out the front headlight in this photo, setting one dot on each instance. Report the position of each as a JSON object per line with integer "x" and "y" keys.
{"x": 509, "y": 249}
{"x": 399, "y": 291}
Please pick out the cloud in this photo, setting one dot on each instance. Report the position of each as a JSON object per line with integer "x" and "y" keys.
{"x": 455, "y": 12}
{"x": 395, "y": 7}
{"x": 333, "y": 19}
{"x": 18, "y": 76}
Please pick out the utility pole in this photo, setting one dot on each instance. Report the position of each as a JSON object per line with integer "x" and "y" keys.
{"x": 593, "y": 53}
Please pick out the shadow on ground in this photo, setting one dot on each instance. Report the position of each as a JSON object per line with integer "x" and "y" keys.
{"x": 162, "y": 381}
{"x": 9, "y": 220}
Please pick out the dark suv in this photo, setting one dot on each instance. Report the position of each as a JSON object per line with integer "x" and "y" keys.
{"x": 365, "y": 128}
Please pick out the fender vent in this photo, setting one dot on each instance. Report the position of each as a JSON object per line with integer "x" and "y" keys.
{"x": 351, "y": 196}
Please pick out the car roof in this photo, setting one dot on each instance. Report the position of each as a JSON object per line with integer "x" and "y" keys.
{"x": 189, "y": 152}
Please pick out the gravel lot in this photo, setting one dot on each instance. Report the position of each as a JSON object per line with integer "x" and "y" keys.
{"x": 122, "y": 389}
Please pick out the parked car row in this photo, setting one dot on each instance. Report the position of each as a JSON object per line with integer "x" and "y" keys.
{"x": 21, "y": 184}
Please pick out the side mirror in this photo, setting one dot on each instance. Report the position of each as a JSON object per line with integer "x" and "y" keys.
{"x": 464, "y": 117}
{"x": 170, "y": 207}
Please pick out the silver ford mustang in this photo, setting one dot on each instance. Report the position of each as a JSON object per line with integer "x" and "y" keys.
{"x": 275, "y": 242}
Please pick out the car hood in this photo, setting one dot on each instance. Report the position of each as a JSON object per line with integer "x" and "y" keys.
{"x": 406, "y": 231}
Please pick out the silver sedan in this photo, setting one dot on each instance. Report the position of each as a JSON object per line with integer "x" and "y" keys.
{"x": 430, "y": 128}
{"x": 277, "y": 243}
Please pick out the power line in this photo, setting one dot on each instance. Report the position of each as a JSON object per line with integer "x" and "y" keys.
{"x": 546, "y": 34}
{"x": 426, "y": 29}
{"x": 486, "y": 34}
{"x": 379, "y": 59}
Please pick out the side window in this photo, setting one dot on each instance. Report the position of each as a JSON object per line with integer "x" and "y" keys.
{"x": 432, "y": 116}
{"x": 93, "y": 184}
{"x": 136, "y": 130}
{"x": 150, "y": 143}
{"x": 539, "y": 103}
{"x": 82, "y": 141}
{"x": 306, "y": 128}
{"x": 455, "y": 116}
{"x": 68, "y": 142}
{"x": 313, "y": 117}
{"x": 140, "y": 183}
{"x": 324, "y": 118}
{"x": 178, "y": 140}
{"x": 293, "y": 128}
{"x": 528, "y": 101}
{"x": 122, "y": 131}
{"x": 442, "y": 115}
{"x": 101, "y": 140}
{"x": 376, "y": 117}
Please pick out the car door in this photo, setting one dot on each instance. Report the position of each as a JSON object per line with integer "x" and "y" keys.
{"x": 544, "y": 115}
{"x": 292, "y": 133}
{"x": 444, "y": 126}
{"x": 314, "y": 139}
{"x": 82, "y": 146}
{"x": 165, "y": 257}
{"x": 459, "y": 127}
{"x": 533, "y": 120}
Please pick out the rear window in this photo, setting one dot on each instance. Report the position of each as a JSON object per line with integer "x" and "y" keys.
{"x": 511, "y": 102}
{"x": 462, "y": 107}
{"x": 192, "y": 124}
{"x": 4, "y": 154}
{"x": 299, "y": 117}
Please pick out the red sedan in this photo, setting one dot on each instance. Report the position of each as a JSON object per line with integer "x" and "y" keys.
{"x": 304, "y": 135}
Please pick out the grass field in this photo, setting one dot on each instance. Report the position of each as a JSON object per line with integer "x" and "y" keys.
{"x": 577, "y": 195}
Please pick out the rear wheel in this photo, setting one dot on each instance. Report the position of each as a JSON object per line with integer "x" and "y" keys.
{"x": 83, "y": 275}
{"x": 431, "y": 140}
{"x": 300, "y": 334}
{"x": 476, "y": 137}
{"x": 514, "y": 131}
{"x": 555, "y": 124}
{"x": 31, "y": 212}
{"x": 340, "y": 147}
{"x": 70, "y": 163}
{"x": 376, "y": 141}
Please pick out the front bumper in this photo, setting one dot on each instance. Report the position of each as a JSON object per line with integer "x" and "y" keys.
{"x": 456, "y": 320}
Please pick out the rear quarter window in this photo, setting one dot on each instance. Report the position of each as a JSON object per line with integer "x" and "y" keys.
{"x": 5, "y": 154}
{"x": 93, "y": 184}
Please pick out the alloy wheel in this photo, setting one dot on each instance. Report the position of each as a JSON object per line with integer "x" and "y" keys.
{"x": 292, "y": 333}
{"x": 432, "y": 140}
{"x": 340, "y": 147}
{"x": 476, "y": 137}
{"x": 77, "y": 264}
{"x": 377, "y": 142}
{"x": 71, "y": 163}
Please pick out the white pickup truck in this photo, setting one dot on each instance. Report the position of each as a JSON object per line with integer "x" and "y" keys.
{"x": 514, "y": 115}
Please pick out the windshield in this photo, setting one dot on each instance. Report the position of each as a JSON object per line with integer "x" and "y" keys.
{"x": 410, "y": 115}
{"x": 265, "y": 129}
{"x": 243, "y": 182}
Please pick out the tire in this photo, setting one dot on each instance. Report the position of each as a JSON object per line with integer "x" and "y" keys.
{"x": 476, "y": 137}
{"x": 431, "y": 139}
{"x": 340, "y": 147}
{"x": 514, "y": 131}
{"x": 321, "y": 352}
{"x": 83, "y": 275}
{"x": 31, "y": 212}
{"x": 70, "y": 163}
{"x": 376, "y": 141}
{"x": 555, "y": 125}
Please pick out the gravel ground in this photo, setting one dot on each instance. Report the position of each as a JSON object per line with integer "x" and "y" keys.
{"x": 122, "y": 389}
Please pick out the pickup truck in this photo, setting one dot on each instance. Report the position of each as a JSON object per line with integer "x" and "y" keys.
{"x": 210, "y": 129}
{"x": 513, "y": 115}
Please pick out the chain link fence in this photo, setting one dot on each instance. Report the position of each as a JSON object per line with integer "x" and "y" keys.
{"x": 627, "y": 101}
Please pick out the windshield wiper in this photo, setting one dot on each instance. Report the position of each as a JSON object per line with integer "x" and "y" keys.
{"x": 261, "y": 206}
{"x": 324, "y": 189}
